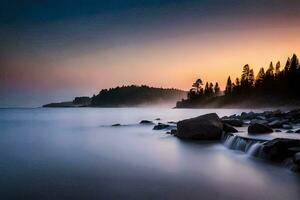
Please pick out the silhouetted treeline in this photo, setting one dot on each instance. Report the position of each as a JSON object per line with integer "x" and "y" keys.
{"x": 135, "y": 95}
{"x": 274, "y": 85}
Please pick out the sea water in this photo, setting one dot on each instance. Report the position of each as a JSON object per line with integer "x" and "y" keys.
{"x": 75, "y": 153}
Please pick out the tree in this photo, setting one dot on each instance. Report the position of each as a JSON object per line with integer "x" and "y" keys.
{"x": 206, "y": 89}
{"x": 198, "y": 85}
{"x": 245, "y": 75}
{"x": 260, "y": 77}
{"x": 217, "y": 89}
{"x": 270, "y": 72}
{"x": 228, "y": 88}
{"x": 251, "y": 78}
{"x": 277, "y": 68}
{"x": 237, "y": 82}
{"x": 287, "y": 65}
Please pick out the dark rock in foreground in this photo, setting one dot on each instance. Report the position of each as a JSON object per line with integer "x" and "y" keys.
{"x": 205, "y": 127}
{"x": 280, "y": 148}
{"x": 259, "y": 129}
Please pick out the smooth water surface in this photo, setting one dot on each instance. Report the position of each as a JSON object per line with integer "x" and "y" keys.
{"x": 74, "y": 153}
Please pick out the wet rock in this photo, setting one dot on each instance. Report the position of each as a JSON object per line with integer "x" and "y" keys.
{"x": 275, "y": 124}
{"x": 258, "y": 121}
{"x": 260, "y": 117}
{"x": 289, "y": 131}
{"x": 146, "y": 122}
{"x": 278, "y": 131}
{"x": 297, "y": 131}
{"x": 287, "y": 126}
{"x": 228, "y": 128}
{"x": 248, "y": 116}
{"x": 233, "y": 122}
{"x": 205, "y": 127}
{"x": 173, "y": 132}
{"x": 259, "y": 129}
{"x": 280, "y": 148}
{"x": 157, "y": 119}
{"x": 296, "y": 159}
{"x": 116, "y": 125}
{"x": 160, "y": 126}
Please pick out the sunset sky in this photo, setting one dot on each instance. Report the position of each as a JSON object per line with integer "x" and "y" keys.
{"x": 54, "y": 50}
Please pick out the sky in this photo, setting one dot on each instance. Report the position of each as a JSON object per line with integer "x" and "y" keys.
{"x": 54, "y": 50}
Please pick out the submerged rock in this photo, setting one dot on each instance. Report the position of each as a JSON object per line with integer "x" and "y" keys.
{"x": 259, "y": 128}
{"x": 204, "y": 127}
{"x": 228, "y": 128}
{"x": 160, "y": 126}
{"x": 233, "y": 122}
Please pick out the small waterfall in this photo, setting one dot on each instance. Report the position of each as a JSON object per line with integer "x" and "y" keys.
{"x": 255, "y": 150}
{"x": 249, "y": 146}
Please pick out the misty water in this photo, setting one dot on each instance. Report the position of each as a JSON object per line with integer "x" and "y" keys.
{"x": 74, "y": 153}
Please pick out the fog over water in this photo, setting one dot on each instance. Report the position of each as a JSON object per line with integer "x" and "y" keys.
{"x": 74, "y": 153}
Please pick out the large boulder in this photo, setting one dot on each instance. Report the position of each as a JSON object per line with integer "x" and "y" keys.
{"x": 204, "y": 127}
{"x": 259, "y": 129}
{"x": 280, "y": 148}
{"x": 233, "y": 122}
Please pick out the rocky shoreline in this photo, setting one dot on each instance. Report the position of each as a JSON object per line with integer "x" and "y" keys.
{"x": 212, "y": 127}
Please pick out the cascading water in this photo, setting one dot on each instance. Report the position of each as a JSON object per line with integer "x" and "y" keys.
{"x": 249, "y": 146}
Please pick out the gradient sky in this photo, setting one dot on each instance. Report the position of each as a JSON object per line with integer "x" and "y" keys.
{"x": 54, "y": 50}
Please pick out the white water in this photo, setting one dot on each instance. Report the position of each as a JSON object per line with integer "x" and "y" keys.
{"x": 76, "y": 154}
{"x": 250, "y": 147}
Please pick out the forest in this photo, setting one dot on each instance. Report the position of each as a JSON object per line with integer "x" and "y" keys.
{"x": 135, "y": 95}
{"x": 274, "y": 86}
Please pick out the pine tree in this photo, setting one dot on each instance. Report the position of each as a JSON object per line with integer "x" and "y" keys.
{"x": 245, "y": 75}
{"x": 277, "y": 68}
{"x": 228, "y": 88}
{"x": 260, "y": 77}
{"x": 251, "y": 78}
{"x": 217, "y": 89}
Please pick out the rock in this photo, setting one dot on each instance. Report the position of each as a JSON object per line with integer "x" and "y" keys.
{"x": 297, "y": 131}
{"x": 248, "y": 116}
{"x": 278, "y": 131}
{"x": 260, "y": 117}
{"x": 296, "y": 159}
{"x": 258, "y": 121}
{"x": 116, "y": 125}
{"x": 157, "y": 119}
{"x": 146, "y": 122}
{"x": 173, "y": 132}
{"x": 289, "y": 131}
{"x": 228, "y": 128}
{"x": 275, "y": 124}
{"x": 160, "y": 126}
{"x": 172, "y": 122}
{"x": 205, "y": 127}
{"x": 259, "y": 128}
{"x": 278, "y": 149}
{"x": 287, "y": 126}
{"x": 233, "y": 122}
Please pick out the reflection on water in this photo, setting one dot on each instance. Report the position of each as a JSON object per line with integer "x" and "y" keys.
{"x": 69, "y": 154}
